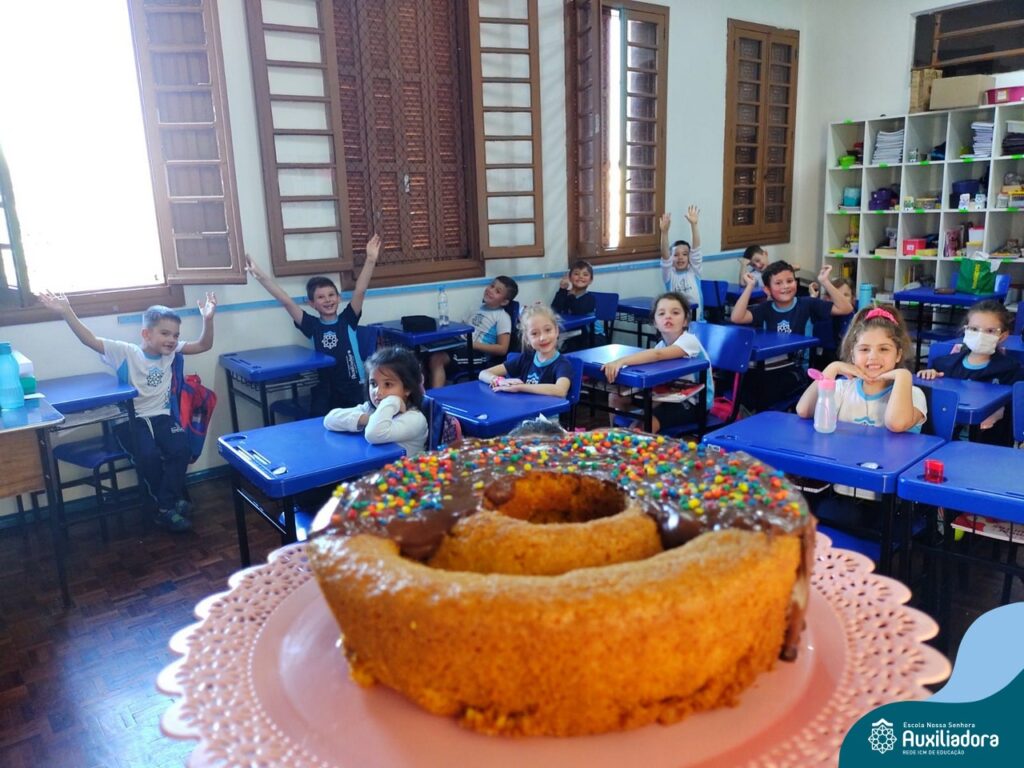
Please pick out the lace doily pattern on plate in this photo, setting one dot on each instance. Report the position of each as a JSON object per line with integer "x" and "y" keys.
{"x": 217, "y": 705}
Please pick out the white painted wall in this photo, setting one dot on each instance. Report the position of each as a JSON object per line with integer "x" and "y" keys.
{"x": 854, "y": 62}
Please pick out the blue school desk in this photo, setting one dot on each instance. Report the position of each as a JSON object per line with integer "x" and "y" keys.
{"x": 643, "y": 377}
{"x": 21, "y": 476}
{"x": 392, "y": 330}
{"x": 636, "y": 309}
{"x": 76, "y": 394}
{"x": 482, "y": 412}
{"x": 769, "y": 344}
{"x": 267, "y": 370}
{"x": 864, "y": 457}
{"x": 923, "y": 296}
{"x": 978, "y": 479}
{"x": 287, "y": 459}
{"x": 733, "y": 292}
{"x": 978, "y": 399}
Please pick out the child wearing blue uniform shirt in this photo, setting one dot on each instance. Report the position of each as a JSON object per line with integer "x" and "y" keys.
{"x": 980, "y": 358}
{"x": 333, "y": 333}
{"x": 541, "y": 369}
{"x": 782, "y": 377}
{"x": 681, "y": 266}
{"x": 573, "y": 298}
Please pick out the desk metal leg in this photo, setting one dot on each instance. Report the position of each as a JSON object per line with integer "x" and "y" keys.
{"x": 469, "y": 354}
{"x": 237, "y": 495}
{"x": 648, "y": 409}
{"x": 264, "y": 404}
{"x": 231, "y": 402}
{"x": 289, "y": 534}
{"x": 888, "y": 516}
{"x": 55, "y": 503}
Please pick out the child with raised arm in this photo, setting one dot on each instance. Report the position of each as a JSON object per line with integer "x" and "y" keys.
{"x": 160, "y": 448}
{"x": 492, "y": 326}
{"x": 333, "y": 333}
{"x": 831, "y": 330}
{"x": 980, "y": 358}
{"x": 542, "y": 369}
{"x": 681, "y": 265}
{"x": 753, "y": 262}
{"x": 392, "y": 412}
{"x": 672, "y": 319}
{"x": 784, "y": 377}
{"x": 878, "y": 390}
{"x": 573, "y": 298}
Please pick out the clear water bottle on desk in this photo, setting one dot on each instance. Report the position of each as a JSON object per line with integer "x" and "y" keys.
{"x": 11, "y": 394}
{"x": 826, "y": 412}
{"x": 442, "y": 307}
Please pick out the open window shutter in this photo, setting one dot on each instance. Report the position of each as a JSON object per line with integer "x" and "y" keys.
{"x": 14, "y": 289}
{"x": 760, "y": 129}
{"x": 504, "y": 60}
{"x": 295, "y": 78}
{"x": 586, "y": 182}
{"x": 181, "y": 72}
{"x": 642, "y": 98}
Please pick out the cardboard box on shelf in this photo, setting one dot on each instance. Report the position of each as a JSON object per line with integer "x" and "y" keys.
{"x": 921, "y": 87}
{"x": 965, "y": 91}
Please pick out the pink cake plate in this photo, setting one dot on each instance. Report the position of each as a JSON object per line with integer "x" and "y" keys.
{"x": 261, "y": 682}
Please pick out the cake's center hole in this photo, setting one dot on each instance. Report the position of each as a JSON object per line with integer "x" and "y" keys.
{"x": 552, "y": 497}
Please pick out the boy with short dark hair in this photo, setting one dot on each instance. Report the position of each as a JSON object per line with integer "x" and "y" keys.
{"x": 573, "y": 298}
{"x": 332, "y": 332}
{"x": 681, "y": 264}
{"x": 753, "y": 262}
{"x": 492, "y": 326}
{"x": 782, "y": 377}
{"x": 159, "y": 446}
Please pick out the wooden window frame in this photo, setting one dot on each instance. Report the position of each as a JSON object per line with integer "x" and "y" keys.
{"x": 176, "y": 273}
{"x": 759, "y": 232}
{"x": 973, "y": 21}
{"x": 588, "y": 36}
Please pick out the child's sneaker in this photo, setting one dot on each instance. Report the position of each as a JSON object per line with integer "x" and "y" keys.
{"x": 184, "y": 508}
{"x": 170, "y": 520}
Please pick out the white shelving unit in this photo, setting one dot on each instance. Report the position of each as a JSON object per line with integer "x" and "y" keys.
{"x": 854, "y": 235}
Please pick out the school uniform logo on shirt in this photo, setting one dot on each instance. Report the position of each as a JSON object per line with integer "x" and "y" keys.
{"x": 329, "y": 340}
{"x": 533, "y": 378}
{"x": 154, "y": 376}
{"x": 784, "y": 327}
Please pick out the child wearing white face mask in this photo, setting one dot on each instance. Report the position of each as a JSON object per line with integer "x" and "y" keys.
{"x": 979, "y": 358}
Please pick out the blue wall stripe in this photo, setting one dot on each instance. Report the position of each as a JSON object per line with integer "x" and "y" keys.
{"x": 398, "y": 290}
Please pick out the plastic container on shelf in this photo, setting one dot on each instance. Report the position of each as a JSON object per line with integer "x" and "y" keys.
{"x": 864, "y": 295}
{"x": 11, "y": 394}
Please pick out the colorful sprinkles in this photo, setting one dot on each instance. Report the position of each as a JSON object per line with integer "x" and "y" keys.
{"x": 669, "y": 478}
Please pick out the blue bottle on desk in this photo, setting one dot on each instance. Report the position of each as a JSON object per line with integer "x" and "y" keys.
{"x": 11, "y": 394}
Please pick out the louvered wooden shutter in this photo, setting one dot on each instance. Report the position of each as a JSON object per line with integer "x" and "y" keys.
{"x": 504, "y": 61}
{"x": 404, "y": 117}
{"x": 586, "y": 184}
{"x": 759, "y": 134}
{"x": 295, "y": 75}
{"x": 182, "y": 80}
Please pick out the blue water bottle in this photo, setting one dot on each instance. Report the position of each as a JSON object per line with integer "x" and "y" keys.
{"x": 865, "y": 295}
{"x": 11, "y": 394}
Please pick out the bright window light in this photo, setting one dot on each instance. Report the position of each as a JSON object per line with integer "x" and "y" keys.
{"x": 614, "y": 123}
{"x": 74, "y": 139}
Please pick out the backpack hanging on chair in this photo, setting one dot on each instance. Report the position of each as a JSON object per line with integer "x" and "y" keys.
{"x": 192, "y": 405}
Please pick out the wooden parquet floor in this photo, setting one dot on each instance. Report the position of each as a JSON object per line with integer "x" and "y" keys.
{"x": 77, "y": 686}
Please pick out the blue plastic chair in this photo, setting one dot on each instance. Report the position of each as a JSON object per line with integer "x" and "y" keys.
{"x": 606, "y": 308}
{"x": 713, "y": 297}
{"x": 1017, "y": 410}
{"x": 939, "y": 349}
{"x": 728, "y": 348}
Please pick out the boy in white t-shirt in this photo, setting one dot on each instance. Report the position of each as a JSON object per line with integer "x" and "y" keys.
{"x": 159, "y": 445}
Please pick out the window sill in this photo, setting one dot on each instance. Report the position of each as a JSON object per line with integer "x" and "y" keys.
{"x": 98, "y": 303}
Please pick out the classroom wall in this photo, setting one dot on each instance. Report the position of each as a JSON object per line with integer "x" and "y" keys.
{"x": 853, "y": 62}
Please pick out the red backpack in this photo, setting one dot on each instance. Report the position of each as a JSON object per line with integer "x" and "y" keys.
{"x": 192, "y": 405}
